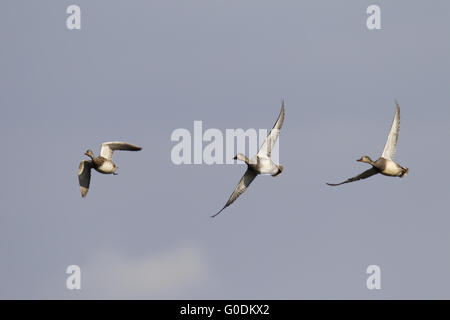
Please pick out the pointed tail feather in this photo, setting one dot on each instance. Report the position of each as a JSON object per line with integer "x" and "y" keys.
{"x": 405, "y": 172}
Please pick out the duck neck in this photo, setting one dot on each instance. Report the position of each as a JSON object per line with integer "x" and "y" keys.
{"x": 369, "y": 161}
{"x": 242, "y": 158}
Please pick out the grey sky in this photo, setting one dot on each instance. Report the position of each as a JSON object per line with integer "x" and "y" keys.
{"x": 137, "y": 70}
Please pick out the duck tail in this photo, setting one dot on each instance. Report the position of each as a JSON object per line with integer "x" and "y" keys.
{"x": 280, "y": 170}
{"x": 405, "y": 172}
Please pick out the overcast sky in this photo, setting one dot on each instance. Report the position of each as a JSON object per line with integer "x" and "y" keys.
{"x": 138, "y": 70}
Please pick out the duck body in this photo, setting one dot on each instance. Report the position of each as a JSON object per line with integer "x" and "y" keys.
{"x": 262, "y": 165}
{"x": 390, "y": 168}
{"x": 104, "y": 165}
{"x": 386, "y": 167}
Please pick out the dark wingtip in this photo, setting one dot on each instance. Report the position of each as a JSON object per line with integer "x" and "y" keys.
{"x": 332, "y": 184}
{"x": 217, "y": 213}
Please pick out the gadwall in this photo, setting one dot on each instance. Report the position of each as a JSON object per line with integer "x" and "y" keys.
{"x": 102, "y": 163}
{"x": 261, "y": 163}
{"x": 385, "y": 164}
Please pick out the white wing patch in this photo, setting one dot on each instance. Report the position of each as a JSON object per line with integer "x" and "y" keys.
{"x": 391, "y": 143}
{"x": 109, "y": 147}
{"x": 266, "y": 148}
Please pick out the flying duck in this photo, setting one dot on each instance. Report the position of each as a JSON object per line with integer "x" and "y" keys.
{"x": 385, "y": 164}
{"x": 102, "y": 163}
{"x": 261, "y": 163}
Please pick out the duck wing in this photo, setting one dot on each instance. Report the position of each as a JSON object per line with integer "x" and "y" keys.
{"x": 84, "y": 176}
{"x": 366, "y": 174}
{"x": 266, "y": 147}
{"x": 108, "y": 148}
{"x": 391, "y": 143}
{"x": 243, "y": 184}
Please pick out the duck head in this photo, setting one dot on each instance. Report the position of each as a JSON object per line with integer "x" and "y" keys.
{"x": 365, "y": 159}
{"x": 89, "y": 153}
{"x": 241, "y": 157}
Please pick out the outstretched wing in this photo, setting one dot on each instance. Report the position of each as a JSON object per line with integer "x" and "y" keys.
{"x": 109, "y": 147}
{"x": 84, "y": 176}
{"x": 366, "y": 174}
{"x": 243, "y": 184}
{"x": 391, "y": 143}
{"x": 266, "y": 147}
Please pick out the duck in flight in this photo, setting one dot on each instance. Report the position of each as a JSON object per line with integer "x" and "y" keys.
{"x": 261, "y": 163}
{"x": 102, "y": 163}
{"x": 385, "y": 164}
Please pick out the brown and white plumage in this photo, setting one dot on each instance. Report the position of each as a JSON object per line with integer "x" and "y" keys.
{"x": 102, "y": 163}
{"x": 260, "y": 164}
{"x": 385, "y": 165}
